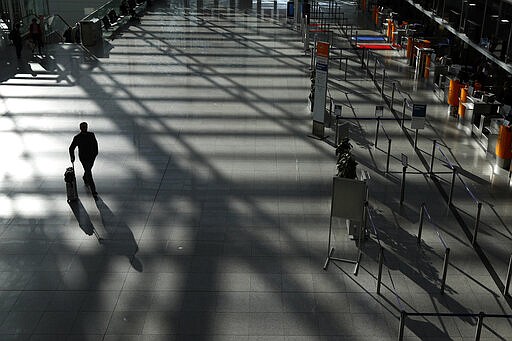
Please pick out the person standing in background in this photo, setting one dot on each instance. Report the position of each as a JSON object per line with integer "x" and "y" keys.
{"x": 36, "y": 35}
{"x": 15, "y": 37}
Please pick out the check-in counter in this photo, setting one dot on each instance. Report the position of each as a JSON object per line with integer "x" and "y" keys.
{"x": 475, "y": 109}
{"x": 489, "y": 136}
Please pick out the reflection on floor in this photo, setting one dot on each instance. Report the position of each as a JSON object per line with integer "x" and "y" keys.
{"x": 214, "y": 202}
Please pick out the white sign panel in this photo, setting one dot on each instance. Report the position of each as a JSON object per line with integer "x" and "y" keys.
{"x": 379, "y": 110}
{"x": 320, "y": 91}
{"x": 419, "y": 113}
{"x": 348, "y": 198}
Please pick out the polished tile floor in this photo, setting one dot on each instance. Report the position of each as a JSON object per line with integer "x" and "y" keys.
{"x": 214, "y": 201}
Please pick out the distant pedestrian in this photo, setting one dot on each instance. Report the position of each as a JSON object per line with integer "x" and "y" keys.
{"x": 15, "y": 37}
{"x": 124, "y": 8}
{"x": 87, "y": 152}
{"x": 36, "y": 35}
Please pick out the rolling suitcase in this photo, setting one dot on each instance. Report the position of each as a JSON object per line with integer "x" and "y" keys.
{"x": 70, "y": 180}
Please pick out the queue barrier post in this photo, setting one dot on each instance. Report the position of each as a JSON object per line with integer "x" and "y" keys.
{"x": 403, "y": 317}
{"x": 403, "y": 112}
{"x": 393, "y": 95}
{"x": 450, "y": 198}
{"x": 402, "y": 185}
{"x": 388, "y": 156}
{"x": 346, "y": 67}
{"x": 477, "y": 222}
{"x": 367, "y": 59}
{"x": 509, "y": 275}
{"x": 420, "y": 227}
{"x": 383, "y": 80}
{"x": 434, "y": 142}
{"x": 377, "y": 132}
{"x": 445, "y": 268}
{"x": 381, "y": 262}
{"x": 479, "y": 325}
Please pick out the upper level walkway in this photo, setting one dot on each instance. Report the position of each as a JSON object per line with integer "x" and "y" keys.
{"x": 213, "y": 211}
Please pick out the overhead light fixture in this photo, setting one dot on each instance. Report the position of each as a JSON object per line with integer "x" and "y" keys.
{"x": 472, "y": 4}
{"x": 505, "y": 21}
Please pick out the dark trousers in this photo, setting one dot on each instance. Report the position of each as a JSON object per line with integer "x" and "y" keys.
{"x": 87, "y": 164}
{"x": 18, "y": 46}
{"x": 37, "y": 39}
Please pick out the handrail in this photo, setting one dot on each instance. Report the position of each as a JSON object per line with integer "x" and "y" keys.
{"x": 61, "y": 18}
{"x": 55, "y": 26}
{"x": 93, "y": 13}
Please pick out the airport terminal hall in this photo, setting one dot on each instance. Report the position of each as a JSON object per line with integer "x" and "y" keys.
{"x": 256, "y": 170}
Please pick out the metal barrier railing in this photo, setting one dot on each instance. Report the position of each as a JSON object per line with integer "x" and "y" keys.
{"x": 394, "y": 84}
{"x": 455, "y": 174}
{"x": 341, "y": 59}
{"x": 103, "y": 10}
{"x": 435, "y": 145}
{"x": 381, "y": 261}
{"x": 479, "y": 324}
{"x": 423, "y": 212}
{"x": 404, "y": 314}
{"x": 340, "y": 130}
{"x": 389, "y": 142}
{"x": 331, "y": 13}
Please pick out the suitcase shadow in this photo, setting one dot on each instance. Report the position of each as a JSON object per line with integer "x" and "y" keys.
{"x": 119, "y": 238}
{"x": 81, "y": 215}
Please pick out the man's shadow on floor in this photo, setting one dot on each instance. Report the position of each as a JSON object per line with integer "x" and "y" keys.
{"x": 81, "y": 215}
{"x": 118, "y": 239}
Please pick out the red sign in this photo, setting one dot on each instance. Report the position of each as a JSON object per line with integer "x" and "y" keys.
{"x": 322, "y": 49}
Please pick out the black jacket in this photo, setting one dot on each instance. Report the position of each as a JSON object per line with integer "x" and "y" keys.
{"x": 87, "y": 146}
{"x": 15, "y": 36}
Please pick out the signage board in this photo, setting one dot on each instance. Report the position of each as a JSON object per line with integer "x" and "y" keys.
{"x": 379, "y": 110}
{"x": 322, "y": 49}
{"x": 337, "y": 111}
{"x": 342, "y": 206}
{"x": 419, "y": 113}
{"x": 419, "y": 110}
{"x": 405, "y": 161}
{"x": 321, "y": 71}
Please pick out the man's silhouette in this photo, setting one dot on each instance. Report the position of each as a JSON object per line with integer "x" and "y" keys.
{"x": 87, "y": 152}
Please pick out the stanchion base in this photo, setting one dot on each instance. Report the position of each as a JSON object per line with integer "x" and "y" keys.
{"x": 343, "y": 260}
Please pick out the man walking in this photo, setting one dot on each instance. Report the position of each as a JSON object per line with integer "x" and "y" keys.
{"x": 87, "y": 152}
